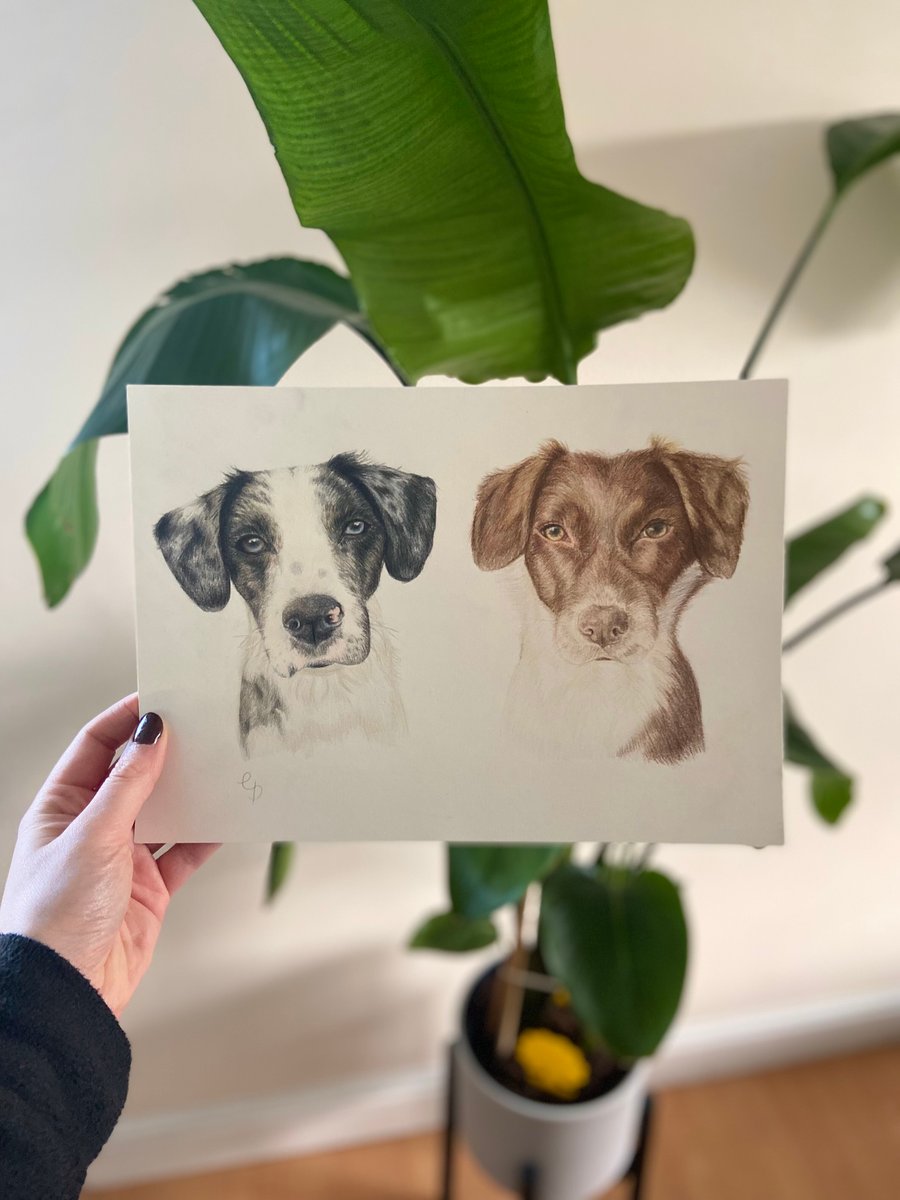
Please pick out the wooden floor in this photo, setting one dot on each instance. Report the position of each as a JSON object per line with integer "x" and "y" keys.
{"x": 826, "y": 1131}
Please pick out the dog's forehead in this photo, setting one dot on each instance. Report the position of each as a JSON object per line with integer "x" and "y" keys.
{"x": 291, "y": 486}
{"x": 283, "y": 492}
{"x": 282, "y": 501}
{"x": 268, "y": 491}
{"x": 600, "y": 481}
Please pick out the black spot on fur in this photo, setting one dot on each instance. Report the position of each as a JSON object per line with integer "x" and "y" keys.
{"x": 246, "y": 510}
{"x": 189, "y": 540}
{"x": 358, "y": 558}
{"x": 406, "y": 505}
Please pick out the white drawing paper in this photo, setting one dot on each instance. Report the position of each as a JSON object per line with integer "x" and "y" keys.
{"x": 502, "y": 614}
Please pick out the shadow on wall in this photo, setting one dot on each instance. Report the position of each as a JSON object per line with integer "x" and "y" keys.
{"x": 752, "y": 194}
{"x": 49, "y": 693}
{"x": 308, "y": 1028}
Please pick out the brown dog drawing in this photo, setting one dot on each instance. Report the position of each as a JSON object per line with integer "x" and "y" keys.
{"x": 614, "y": 548}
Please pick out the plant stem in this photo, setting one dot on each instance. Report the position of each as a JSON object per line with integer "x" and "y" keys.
{"x": 513, "y": 993}
{"x": 644, "y": 857}
{"x": 788, "y": 286}
{"x": 832, "y": 613}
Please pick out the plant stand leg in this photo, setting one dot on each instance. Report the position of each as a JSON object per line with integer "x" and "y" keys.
{"x": 529, "y": 1181}
{"x": 638, "y": 1167}
{"x": 449, "y": 1124}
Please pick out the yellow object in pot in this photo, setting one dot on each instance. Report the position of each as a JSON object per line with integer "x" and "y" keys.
{"x": 552, "y": 1063}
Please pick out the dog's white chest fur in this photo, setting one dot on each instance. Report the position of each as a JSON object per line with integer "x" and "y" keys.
{"x": 596, "y": 707}
{"x": 333, "y": 704}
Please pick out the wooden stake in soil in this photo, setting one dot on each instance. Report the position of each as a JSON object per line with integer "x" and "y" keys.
{"x": 512, "y": 991}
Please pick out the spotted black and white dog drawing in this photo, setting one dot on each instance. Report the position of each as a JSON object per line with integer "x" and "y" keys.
{"x": 304, "y": 547}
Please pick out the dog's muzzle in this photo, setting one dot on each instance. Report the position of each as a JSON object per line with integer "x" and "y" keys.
{"x": 312, "y": 621}
{"x": 605, "y": 632}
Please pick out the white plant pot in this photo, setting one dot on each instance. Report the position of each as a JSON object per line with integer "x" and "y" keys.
{"x": 576, "y": 1150}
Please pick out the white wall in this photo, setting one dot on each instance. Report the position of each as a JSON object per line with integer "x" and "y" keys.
{"x": 132, "y": 155}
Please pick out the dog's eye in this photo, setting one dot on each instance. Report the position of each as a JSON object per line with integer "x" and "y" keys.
{"x": 251, "y": 544}
{"x": 655, "y": 529}
{"x": 355, "y": 528}
{"x": 553, "y": 533}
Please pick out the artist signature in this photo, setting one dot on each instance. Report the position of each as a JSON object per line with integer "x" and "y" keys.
{"x": 251, "y": 787}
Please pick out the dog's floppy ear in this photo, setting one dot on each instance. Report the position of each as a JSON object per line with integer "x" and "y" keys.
{"x": 503, "y": 507}
{"x": 715, "y": 496}
{"x": 407, "y": 505}
{"x": 189, "y": 538}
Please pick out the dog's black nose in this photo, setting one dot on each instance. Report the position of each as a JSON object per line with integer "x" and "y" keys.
{"x": 312, "y": 619}
{"x": 603, "y": 625}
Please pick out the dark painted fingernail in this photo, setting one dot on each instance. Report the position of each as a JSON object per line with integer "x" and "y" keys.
{"x": 149, "y": 730}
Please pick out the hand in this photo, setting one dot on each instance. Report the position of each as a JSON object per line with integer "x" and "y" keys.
{"x": 77, "y": 882}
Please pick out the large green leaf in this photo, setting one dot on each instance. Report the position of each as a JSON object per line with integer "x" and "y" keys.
{"x": 856, "y": 146}
{"x": 428, "y": 140}
{"x": 814, "y": 550}
{"x": 832, "y": 787}
{"x": 454, "y": 933}
{"x": 62, "y": 521}
{"x": 234, "y": 325}
{"x": 617, "y": 939}
{"x": 484, "y": 878}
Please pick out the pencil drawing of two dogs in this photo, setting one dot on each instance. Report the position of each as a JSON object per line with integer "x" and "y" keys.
{"x": 606, "y": 552}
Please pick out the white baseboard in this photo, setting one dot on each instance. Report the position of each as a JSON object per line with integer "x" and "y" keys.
{"x": 740, "y": 1044}
{"x": 289, "y": 1124}
{"x": 169, "y": 1144}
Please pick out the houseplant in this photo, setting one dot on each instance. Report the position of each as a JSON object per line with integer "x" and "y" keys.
{"x": 429, "y": 142}
{"x": 567, "y": 1019}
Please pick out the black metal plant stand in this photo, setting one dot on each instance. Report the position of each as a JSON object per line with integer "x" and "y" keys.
{"x": 529, "y": 1184}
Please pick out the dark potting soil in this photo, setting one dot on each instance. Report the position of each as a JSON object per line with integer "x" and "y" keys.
{"x": 540, "y": 1012}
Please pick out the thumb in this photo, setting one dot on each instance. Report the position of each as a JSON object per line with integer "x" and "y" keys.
{"x": 132, "y": 778}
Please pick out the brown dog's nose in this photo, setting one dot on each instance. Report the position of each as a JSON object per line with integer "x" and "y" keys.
{"x": 312, "y": 619}
{"x": 603, "y": 625}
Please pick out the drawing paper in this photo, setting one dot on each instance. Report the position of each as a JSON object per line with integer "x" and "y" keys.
{"x": 493, "y": 614}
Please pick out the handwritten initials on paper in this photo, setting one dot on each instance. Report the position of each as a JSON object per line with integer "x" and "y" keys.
{"x": 249, "y": 784}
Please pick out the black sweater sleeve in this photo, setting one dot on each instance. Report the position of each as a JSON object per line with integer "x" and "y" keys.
{"x": 64, "y": 1063}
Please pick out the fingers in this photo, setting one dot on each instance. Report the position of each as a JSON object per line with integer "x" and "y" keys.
{"x": 177, "y": 865}
{"x": 85, "y": 763}
{"x": 120, "y": 798}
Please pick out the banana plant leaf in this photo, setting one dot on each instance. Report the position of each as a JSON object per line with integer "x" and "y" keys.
{"x": 815, "y": 549}
{"x": 617, "y": 940}
{"x": 62, "y": 522}
{"x": 428, "y": 140}
{"x": 233, "y": 325}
